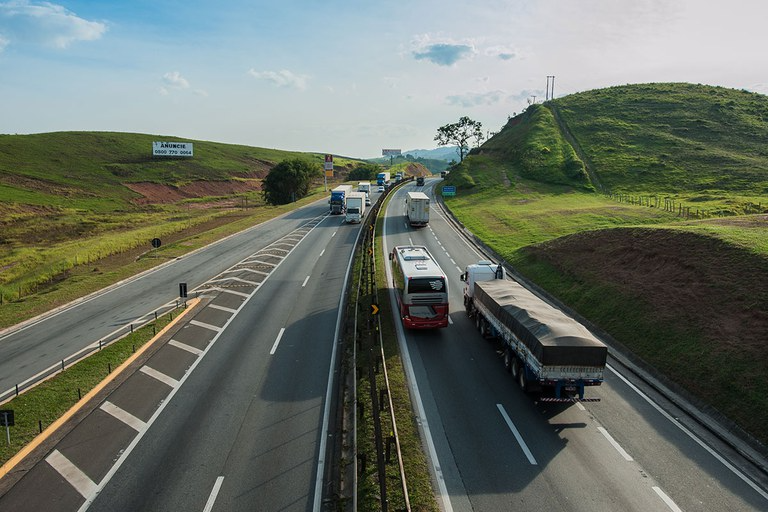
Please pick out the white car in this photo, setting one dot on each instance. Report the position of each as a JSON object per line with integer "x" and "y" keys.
{"x": 381, "y": 188}
{"x": 367, "y": 200}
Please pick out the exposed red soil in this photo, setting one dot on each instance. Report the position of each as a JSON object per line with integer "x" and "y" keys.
{"x": 686, "y": 278}
{"x": 154, "y": 193}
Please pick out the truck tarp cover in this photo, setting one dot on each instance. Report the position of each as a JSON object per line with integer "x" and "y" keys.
{"x": 554, "y": 338}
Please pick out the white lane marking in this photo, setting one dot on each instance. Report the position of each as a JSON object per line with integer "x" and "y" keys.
{"x": 277, "y": 341}
{"x": 450, "y": 320}
{"x": 206, "y": 326}
{"x": 517, "y": 435}
{"x": 165, "y": 379}
{"x": 305, "y": 282}
{"x": 410, "y": 241}
{"x": 214, "y": 494}
{"x": 334, "y": 234}
{"x": 452, "y": 261}
{"x": 223, "y": 290}
{"x": 321, "y": 253}
{"x": 184, "y": 346}
{"x": 690, "y": 434}
{"x": 222, "y": 308}
{"x": 123, "y": 415}
{"x": 671, "y": 504}
{"x": 580, "y": 406}
{"x": 616, "y": 445}
{"x": 71, "y": 473}
{"x": 239, "y": 280}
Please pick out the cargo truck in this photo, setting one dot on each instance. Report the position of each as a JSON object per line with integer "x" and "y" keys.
{"x": 417, "y": 209}
{"x": 364, "y": 186}
{"x": 355, "y": 207}
{"x": 420, "y": 181}
{"x": 338, "y": 199}
{"x": 382, "y": 179}
{"x": 543, "y": 347}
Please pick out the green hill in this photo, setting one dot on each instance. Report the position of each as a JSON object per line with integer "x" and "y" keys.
{"x": 73, "y": 198}
{"x": 643, "y": 208}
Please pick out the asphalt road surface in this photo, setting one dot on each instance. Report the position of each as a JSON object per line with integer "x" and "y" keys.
{"x": 497, "y": 448}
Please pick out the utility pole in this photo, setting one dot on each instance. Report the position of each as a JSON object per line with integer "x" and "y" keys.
{"x": 550, "y": 94}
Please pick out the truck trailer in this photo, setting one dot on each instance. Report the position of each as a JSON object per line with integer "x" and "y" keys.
{"x": 364, "y": 186}
{"x": 355, "y": 207}
{"x": 382, "y": 179}
{"x": 543, "y": 347}
{"x": 338, "y": 199}
{"x": 417, "y": 209}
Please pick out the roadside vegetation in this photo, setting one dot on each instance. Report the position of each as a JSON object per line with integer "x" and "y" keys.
{"x": 78, "y": 209}
{"x": 685, "y": 294}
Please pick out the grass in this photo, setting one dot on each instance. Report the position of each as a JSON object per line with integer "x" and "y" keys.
{"x": 42, "y": 405}
{"x": 421, "y": 494}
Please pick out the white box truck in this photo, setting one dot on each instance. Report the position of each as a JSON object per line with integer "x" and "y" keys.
{"x": 417, "y": 208}
{"x": 355, "y": 207}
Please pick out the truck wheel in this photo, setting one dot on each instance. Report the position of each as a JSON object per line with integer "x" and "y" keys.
{"x": 478, "y": 320}
{"x": 523, "y": 380}
{"x": 509, "y": 361}
{"x": 514, "y": 364}
{"x": 483, "y": 328}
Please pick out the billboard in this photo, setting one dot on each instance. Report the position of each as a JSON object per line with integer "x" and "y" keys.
{"x": 390, "y": 152}
{"x": 172, "y": 149}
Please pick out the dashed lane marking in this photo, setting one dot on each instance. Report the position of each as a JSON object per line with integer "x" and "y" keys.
{"x": 165, "y": 379}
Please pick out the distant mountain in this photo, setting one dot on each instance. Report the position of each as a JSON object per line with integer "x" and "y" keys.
{"x": 446, "y": 153}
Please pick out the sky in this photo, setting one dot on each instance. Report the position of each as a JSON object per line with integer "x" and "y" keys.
{"x": 350, "y": 77}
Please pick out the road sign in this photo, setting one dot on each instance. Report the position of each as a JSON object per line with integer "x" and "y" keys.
{"x": 6, "y": 418}
{"x": 449, "y": 191}
{"x": 156, "y": 243}
{"x": 183, "y": 290}
{"x": 374, "y": 309}
{"x": 328, "y": 162}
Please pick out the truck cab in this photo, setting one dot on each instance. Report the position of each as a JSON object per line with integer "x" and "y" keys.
{"x": 483, "y": 270}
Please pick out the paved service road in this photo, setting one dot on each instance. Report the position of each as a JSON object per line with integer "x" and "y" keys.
{"x": 496, "y": 448}
{"x": 43, "y": 343}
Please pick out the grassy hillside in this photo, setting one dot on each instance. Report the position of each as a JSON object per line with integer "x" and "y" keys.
{"x": 685, "y": 296}
{"x": 73, "y": 198}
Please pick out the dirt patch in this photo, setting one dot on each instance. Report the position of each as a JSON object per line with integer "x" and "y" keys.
{"x": 686, "y": 278}
{"x": 156, "y": 193}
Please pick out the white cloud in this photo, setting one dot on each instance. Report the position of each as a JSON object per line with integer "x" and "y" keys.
{"x": 474, "y": 99}
{"x": 174, "y": 80}
{"x": 43, "y": 23}
{"x": 502, "y": 52}
{"x": 444, "y": 53}
{"x": 283, "y": 78}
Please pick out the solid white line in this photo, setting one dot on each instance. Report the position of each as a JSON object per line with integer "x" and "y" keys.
{"x": 71, "y": 473}
{"x": 214, "y": 494}
{"x": 671, "y": 504}
{"x": 123, "y": 415}
{"x": 690, "y": 434}
{"x": 222, "y": 308}
{"x": 277, "y": 341}
{"x": 305, "y": 282}
{"x": 517, "y": 435}
{"x": 205, "y": 326}
{"x": 616, "y": 445}
{"x": 184, "y": 346}
{"x": 165, "y": 379}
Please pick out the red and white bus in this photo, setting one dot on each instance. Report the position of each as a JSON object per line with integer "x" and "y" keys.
{"x": 420, "y": 286}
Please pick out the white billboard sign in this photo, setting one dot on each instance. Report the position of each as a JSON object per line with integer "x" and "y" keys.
{"x": 172, "y": 149}
{"x": 390, "y": 152}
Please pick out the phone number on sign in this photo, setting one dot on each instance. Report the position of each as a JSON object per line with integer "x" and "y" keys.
{"x": 173, "y": 152}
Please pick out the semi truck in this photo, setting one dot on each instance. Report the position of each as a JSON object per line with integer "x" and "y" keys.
{"x": 382, "y": 179}
{"x": 417, "y": 209}
{"x": 420, "y": 181}
{"x": 338, "y": 199}
{"x": 543, "y": 348}
{"x": 355, "y": 207}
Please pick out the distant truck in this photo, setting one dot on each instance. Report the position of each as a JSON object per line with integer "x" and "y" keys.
{"x": 382, "y": 179}
{"x": 543, "y": 347}
{"x": 417, "y": 209}
{"x": 338, "y": 199}
{"x": 420, "y": 181}
{"x": 364, "y": 186}
{"x": 355, "y": 207}
{"x": 398, "y": 177}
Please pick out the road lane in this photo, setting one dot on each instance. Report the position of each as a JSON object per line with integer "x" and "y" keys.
{"x": 462, "y": 382}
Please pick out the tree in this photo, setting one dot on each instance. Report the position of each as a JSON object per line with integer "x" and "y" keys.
{"x": 460, "y": 134}
{"x": 289, "y": 180}
{"x": 364, "y": 171}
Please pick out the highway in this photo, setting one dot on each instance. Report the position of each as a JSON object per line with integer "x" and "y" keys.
{"x": 495, "y": 448}
{"x": 229, "y": 414}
